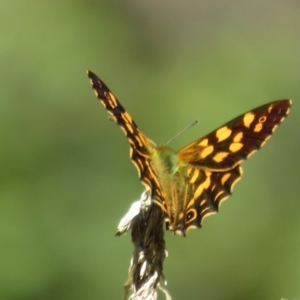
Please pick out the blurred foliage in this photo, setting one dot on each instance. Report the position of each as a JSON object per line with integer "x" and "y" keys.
{"x": 66, "y": 176}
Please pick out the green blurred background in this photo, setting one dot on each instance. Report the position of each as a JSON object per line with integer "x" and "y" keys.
{"x": 66, "y": 176}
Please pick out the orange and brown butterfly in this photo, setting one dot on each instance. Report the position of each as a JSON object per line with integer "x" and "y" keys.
{"x": 191, "y": 183}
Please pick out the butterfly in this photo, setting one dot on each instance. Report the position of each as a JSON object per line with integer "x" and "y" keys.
{"x": 190, "y": 184}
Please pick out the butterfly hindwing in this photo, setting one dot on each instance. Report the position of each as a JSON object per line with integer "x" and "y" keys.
{"x": 206, "y": 190}
{"x": 235, "y": 141}
{"x": 208, "y": 193}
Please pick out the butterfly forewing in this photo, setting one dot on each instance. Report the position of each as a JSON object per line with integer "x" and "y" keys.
{"x": 139, "y": 143}
{"x": 235, "y": 141}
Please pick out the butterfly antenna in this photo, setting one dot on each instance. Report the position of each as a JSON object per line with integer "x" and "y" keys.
{"x": 182, "y": 131}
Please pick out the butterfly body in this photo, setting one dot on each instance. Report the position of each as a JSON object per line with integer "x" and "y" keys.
{"x": 190, "y": 184}
{"x": 173, "y": 178}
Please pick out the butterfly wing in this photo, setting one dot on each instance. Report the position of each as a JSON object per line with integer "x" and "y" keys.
{"x": 215, "y": 159}
{"x": 139, "y": 143}
{"x": 229, "y": 145}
